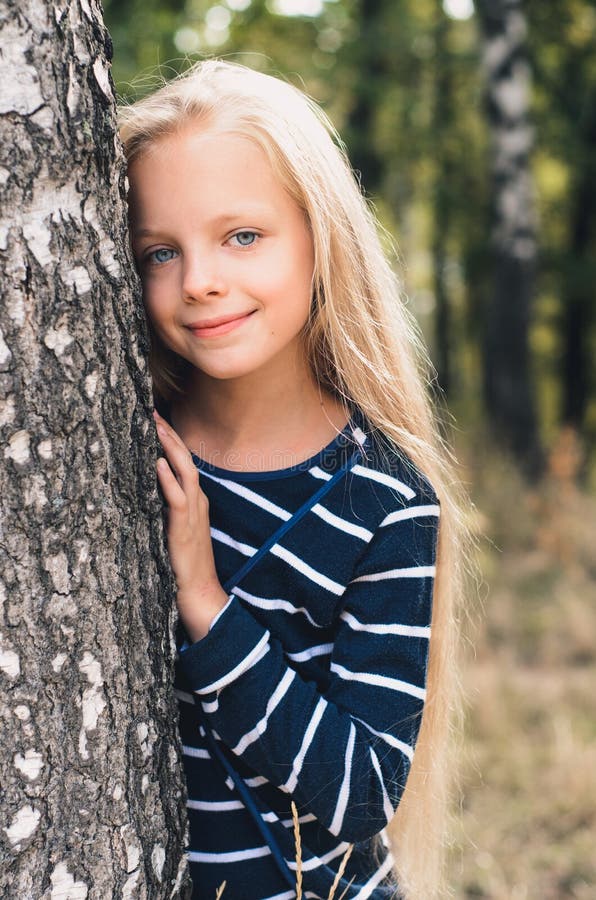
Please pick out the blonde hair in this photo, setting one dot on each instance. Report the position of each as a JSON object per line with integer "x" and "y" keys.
{"x": 364, "y": 347}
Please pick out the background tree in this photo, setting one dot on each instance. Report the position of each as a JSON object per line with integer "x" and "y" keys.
{"x": 508, "y": 387}
{"x": 562, "y": 41}
{"x": 92, "y": 796}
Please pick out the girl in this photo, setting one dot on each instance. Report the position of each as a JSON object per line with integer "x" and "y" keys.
{"x": 302, "y": 475}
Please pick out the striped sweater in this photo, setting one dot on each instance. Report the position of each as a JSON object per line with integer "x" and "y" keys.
{"x": 312, "y": 678}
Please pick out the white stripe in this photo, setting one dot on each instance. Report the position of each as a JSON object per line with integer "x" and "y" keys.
{"x": 290, "y": 785}
{"x": 317, "y": 861}
{"x": 342, "y": 524}
{"x": 195, "y": 752}
{"x": 215, "y": 805}
{"x": 307, "y": 570}
{"x": 257, "y": 781}
{"x": 316, "y": 472}
{"x": 394, "y": 684}
{"x": 412, "y": 572}
{"x": 389, "y": 739}
{"x": 344, "y": 791}
{"x": 375, "y": 880}
{"x": 261, "y": 727}
{"x": 412, "y": 512}
{"x": 276, "y": 605}
{"x": 184, "y": 696}
{"x": 251, "y": 496}
{"x": 211, "y": 707}
{"x": 387, "y": 808}
{"x": 422, "y": 631}
{"x": 359, "y": 436}
{"x": 269, "y": 817}
{"x": 387, "y": 480}
{"x": 214, "y": 733}
{"x": 288, "y": 823}
{"x": 321, "y": 650}
{"x": 249, "y": 660}
{"x": 234, "y": 856}
{"x": 224, "y": 538}
{"x": 289, "y": 895}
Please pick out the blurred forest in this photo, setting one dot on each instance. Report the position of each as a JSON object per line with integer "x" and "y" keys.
{"x": 473, "y": 129}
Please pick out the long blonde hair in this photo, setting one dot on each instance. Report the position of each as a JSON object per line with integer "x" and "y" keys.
{"x": 364, "y": 347}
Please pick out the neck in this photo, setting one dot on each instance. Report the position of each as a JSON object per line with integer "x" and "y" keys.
{"x": 287, "y": 415}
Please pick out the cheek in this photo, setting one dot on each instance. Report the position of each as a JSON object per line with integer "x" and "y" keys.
{"x": 155, "y": 296}
{"x": 292, "y": 277}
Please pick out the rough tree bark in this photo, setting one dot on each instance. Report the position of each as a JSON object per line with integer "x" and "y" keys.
{"x": 507, "y": 377}
{"x": 92, "y": 792}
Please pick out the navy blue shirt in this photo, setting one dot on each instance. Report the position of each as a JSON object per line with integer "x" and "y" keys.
{"x": 312, "y": 678}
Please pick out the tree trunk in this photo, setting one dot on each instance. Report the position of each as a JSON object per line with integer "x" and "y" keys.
{"x": 92, "y": 792}
{"x": 507, "y": 379}
{"x": 578, "y": 286}
{"x": 441, "y": 205}
{"x": 371, "y": 67}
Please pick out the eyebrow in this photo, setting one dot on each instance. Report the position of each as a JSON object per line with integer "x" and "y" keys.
{"x": 143, "y": 232}
{"x": 247, "y": 213}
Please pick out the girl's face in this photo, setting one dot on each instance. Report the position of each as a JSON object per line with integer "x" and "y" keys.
{"x": 225, "y": 254}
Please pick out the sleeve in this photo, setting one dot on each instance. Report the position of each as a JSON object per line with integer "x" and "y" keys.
{"x": 343, "y": 753}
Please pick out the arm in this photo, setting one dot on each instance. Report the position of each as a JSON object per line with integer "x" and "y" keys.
{"x": 342, "y": 753}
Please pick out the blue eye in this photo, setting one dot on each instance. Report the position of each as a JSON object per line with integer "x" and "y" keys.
{"x": 245, "y": 238}
{"x": 163, "y": 255}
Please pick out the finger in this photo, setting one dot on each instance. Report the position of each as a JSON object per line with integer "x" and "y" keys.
{"x": 173, "y": 492}
{"x": 180, "y": 459}
{"x": 165, "y": 429}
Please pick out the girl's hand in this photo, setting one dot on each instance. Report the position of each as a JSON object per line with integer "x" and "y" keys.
{"x": 200, "y": 595}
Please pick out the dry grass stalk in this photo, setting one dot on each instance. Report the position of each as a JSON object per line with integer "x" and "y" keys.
{"x": 298, "y": 850}
{"x": 298, "y": 846}
{"x": 340, "y": 872}
{"x": 347, "y": 887}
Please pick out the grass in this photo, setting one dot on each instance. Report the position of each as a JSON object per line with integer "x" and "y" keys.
{"x": 528, "y": 816}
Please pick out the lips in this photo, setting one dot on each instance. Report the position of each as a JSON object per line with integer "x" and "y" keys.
{"x": 219, "y": 325}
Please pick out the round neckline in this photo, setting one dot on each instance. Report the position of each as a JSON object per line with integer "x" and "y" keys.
{"x": 342, "y": 439}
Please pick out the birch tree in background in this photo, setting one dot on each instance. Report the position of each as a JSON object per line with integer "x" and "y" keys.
{"x": 507, "y": 377}
{"x": 92, "y": 800}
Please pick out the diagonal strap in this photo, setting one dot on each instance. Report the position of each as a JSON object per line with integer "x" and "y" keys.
{"x": 243, "y": 571}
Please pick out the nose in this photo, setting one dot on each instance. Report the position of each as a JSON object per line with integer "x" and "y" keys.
{"x": 202, "y": 279}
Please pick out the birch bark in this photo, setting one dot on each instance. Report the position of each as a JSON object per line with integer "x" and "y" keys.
{"x": 507, "y": 372}
{"x": 92, "y": 801}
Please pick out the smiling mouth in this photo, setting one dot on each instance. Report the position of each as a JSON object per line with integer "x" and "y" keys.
{"x": 219, "y": 326}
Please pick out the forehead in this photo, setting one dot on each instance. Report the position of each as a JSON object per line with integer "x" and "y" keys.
{"x": 201, "y": 173}
{"x": 203, "y": 160}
